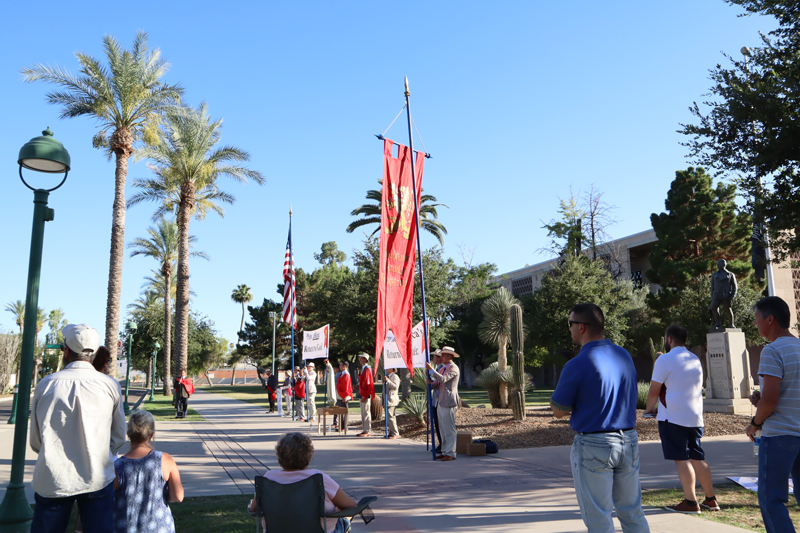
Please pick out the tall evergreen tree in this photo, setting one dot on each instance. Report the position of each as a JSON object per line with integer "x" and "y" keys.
{"x": 701, "y": 225}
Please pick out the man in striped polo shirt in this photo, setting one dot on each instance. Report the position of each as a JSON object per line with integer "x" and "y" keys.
{"x": 778, "y": 413}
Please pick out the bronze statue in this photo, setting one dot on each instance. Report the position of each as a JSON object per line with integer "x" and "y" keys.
{"x": 723, "y": 291}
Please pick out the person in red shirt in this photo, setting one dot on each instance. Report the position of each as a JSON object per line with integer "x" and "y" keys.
{"x": 366, "y": 389}
{"x": 299, "y": 396}
{"x": 344, "y": 389}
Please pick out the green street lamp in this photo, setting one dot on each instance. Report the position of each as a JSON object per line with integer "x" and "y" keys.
{"x": 131, "y": 329}
{"x": 272, "y": 315}
{"x": 47, "y": 155}
{"x": 156, "y": 347}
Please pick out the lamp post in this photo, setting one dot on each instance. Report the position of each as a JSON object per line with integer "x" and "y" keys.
{"x": 131, "y": 329}
{"x": 272, "y": 315}
{"x": 156, "y": 346}
{"x": 40, "y": 154}
{"x": 762, "y": 227}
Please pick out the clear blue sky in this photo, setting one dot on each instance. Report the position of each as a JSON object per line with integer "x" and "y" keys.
{"x": 517, "y": 101}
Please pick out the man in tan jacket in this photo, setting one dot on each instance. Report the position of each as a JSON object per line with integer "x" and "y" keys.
{"x": 447, "y": 386}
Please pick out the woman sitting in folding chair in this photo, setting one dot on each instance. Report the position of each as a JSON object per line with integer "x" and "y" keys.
{"x": 294, "y": 451}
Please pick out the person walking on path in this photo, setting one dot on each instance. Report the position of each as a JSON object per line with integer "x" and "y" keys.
{"x": 310, "y": 377}
{"x": 599, "y": 388}
{"x": 366, "y": 389}
{"x": 184, "y": 388}
{"x": 344, "y": 389}
{"x": 77, "y": 427}
{"x": 447, "y": 385}
{"x": 330, "y": 384}
{"x": 391, "y": 384}
{"x": 777, "y": 414}
{"x": 678, "y": 381}
{"x": 145, "y": 481}
{"x": 436, "y": 358}
{"x": 272, "y": 389}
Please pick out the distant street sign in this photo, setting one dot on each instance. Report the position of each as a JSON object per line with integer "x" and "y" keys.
{"x": 119, "y": 345}
{"x": 52, "y": 347}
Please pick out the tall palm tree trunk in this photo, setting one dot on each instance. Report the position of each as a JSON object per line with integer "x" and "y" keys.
{"x": 167, "y": 271}
{"x": 241, "y": 328}
{"x": 502, "y": 364}
{"x": 182, "y": 299}
{"x": 121, "y": 141}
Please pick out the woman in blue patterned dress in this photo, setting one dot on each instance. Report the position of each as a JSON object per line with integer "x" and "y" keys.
{"x": 146, "y": 480}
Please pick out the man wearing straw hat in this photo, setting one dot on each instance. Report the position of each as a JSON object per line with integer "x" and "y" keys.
{"x": 447, "y": 387}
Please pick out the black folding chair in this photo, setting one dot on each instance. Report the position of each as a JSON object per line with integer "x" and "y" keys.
{"x": 300, "y": 507}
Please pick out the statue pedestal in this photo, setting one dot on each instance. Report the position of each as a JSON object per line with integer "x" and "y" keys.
{"x": 728, "y": 384}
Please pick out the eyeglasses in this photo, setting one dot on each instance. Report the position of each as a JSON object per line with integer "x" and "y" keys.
{"x": 571, "y": 322}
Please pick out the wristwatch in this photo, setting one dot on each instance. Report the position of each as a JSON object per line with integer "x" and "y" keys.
{"x": 753, "y": 423}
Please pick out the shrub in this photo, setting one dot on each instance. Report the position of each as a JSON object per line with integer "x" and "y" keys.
{"x": 641, "y": 397}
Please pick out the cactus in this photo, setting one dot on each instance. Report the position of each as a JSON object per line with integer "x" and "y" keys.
{"x": 654, "y": 353}
{"x": 517, "y": 396}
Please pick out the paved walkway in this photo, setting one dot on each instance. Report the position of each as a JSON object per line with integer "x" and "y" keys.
{"x": 515, "y": 490}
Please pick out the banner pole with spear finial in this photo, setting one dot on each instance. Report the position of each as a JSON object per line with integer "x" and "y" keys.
{"x": 419, "y": 252}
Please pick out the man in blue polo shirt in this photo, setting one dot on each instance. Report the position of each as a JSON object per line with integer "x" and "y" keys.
{"x": 598, "y": 387}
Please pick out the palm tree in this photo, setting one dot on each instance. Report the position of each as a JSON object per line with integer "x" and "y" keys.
{"x": 495, "y": 330}
{"x": 428, "y": 217}
{"x": 186, "y": 162}
{"x": 18, "y": 310}
{"x": 147, "y": 300}
{"x": 242, "y": 295}
{"x": 128, "y": 98}
{"x": 162, "y": 245}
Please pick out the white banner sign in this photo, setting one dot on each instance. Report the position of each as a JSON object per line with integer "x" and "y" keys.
{"x": 315, "y": 343}
{"x": 391, "y": 354}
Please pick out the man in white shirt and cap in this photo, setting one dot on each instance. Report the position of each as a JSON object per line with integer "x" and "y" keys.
{"x": 310, "y": 377}
{"x": 77, "y": 427}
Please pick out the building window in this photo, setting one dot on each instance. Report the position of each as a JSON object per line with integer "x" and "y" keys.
{"x": 636, "y": 278}
{"x": 522, "y": 286}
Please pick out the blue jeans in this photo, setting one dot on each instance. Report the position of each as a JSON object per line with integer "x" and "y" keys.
{"x": 778, "y": 458}
{"x": 51, "y": 515}
{"x": 605, "y": 467}
{"x": 342, "y": 525}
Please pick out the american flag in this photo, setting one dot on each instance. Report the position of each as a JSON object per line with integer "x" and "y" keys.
{"x": 289, "y": 310}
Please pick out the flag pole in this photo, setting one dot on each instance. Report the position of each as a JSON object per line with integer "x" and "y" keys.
{"x": 294, "y": 307}
{"x": 419, "y": 246}
{"x": 385, "y": 401}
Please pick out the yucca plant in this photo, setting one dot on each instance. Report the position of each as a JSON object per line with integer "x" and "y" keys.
{"x": 416, "y": 405}
{"x": 490, "y": 379}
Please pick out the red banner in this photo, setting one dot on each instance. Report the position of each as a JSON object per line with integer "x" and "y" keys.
{"x": 398, "y": 250}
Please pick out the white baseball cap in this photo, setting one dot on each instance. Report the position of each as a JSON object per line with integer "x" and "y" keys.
{"x": 311, "y": 365}
{"x": 81, "y": 339}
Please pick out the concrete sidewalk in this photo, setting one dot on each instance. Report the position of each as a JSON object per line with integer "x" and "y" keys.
{"x": 515, "y": 490}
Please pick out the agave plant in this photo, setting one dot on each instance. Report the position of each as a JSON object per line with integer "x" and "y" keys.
{"x": 416, "y": 405}
{"x": 491, "y": 378}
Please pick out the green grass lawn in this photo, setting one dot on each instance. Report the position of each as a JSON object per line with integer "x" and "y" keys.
{"x": 739, "y": 506}
{"x": 162, "y": 409}
{"x": 256, "y": 395}
{"x": 214, "y": 513}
